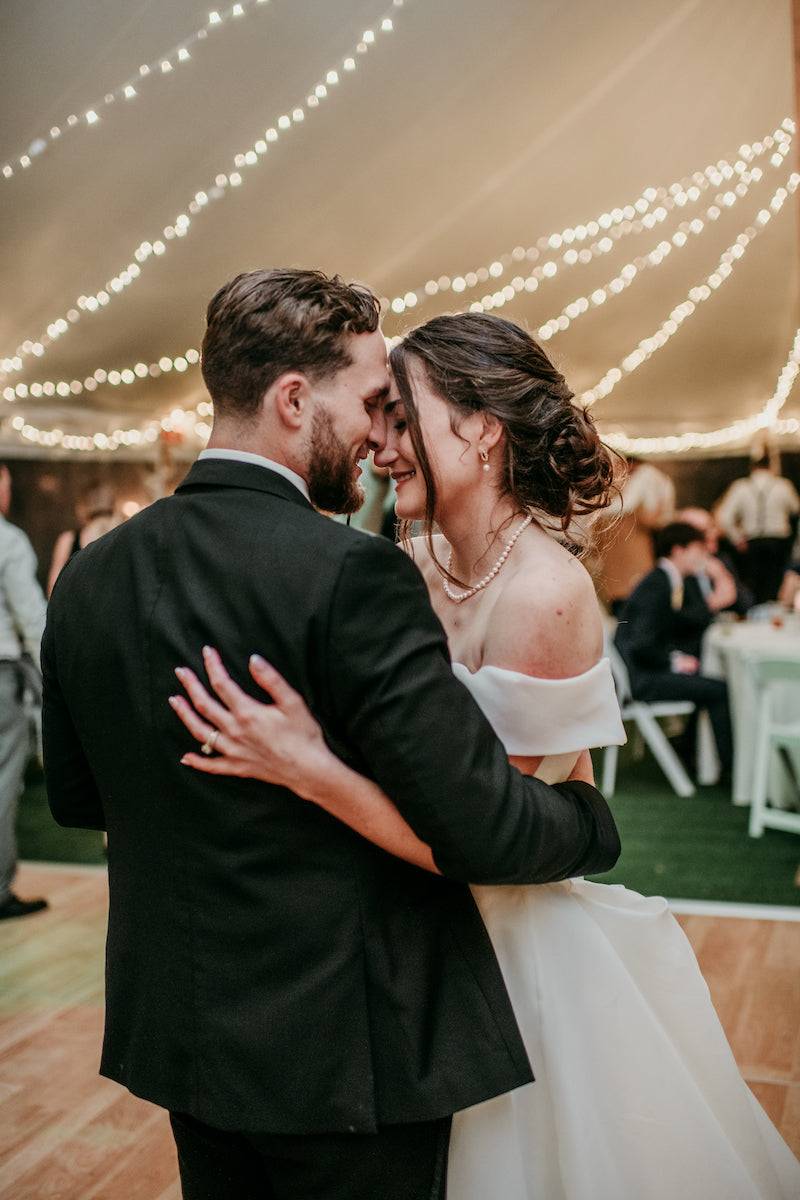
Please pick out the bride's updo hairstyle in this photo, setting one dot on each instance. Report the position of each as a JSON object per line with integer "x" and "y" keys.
{"x": 554, "y": 463}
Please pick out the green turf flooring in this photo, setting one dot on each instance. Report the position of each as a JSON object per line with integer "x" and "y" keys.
{"x": 695, "y": 848}
{"x": 40, "y": 839}
{"x": 689, "y": 849}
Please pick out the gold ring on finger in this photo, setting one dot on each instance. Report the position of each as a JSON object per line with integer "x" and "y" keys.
{"x": 210, "y": 742}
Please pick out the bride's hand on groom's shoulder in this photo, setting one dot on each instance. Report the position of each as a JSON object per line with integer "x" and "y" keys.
{"x": 278, "y": 742}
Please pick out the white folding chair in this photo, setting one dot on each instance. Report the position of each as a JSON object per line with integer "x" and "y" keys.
{"x": 646, "y": 715}
{"x": 777, "y": 683}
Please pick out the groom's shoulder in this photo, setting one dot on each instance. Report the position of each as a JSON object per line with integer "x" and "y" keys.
{"x": 359, "y": 545}
{"x": 371, "y": 568}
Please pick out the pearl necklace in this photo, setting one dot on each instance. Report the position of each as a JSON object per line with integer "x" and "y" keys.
{"x": 451, "y": 595}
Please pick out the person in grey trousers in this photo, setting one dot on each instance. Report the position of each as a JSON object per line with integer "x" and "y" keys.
{"x": 22, "y": 615}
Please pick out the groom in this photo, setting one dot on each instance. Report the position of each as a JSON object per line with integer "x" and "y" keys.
{"x": 309, "y": 1009}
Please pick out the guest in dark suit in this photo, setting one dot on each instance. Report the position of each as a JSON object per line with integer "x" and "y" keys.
{"x": 310, "y": 1009}
{"x": 660, "y": 630}
{"x": 720, "y": 584}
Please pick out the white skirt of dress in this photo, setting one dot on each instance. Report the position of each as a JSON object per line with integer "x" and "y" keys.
{"x": 637, "y": 1093}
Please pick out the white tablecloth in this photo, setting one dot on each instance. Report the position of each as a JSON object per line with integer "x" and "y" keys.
{"x": 726, "y": 649}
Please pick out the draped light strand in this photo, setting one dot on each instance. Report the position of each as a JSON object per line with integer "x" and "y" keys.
{"x": 739, "y": 431}
{"x": 182, "y": 224}
{"x": 189, "y": 423}
{"x": 696, "y": 296}
{"x": 647, "y": 347}
{"x": 193, "y": 424}
{"x": 608, "y": 227}
{"x": 636, "y": 267}
{"x": 129, "y": 375}
{"x": 618, "y": 223}
{"x": 163, "y": 65}
{"x": 629, "y": 272}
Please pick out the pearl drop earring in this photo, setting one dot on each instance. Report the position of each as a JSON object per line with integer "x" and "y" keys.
{"x": 484, "y": 457}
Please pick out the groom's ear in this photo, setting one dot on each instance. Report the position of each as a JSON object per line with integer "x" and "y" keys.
{"x": 290, "y": 395}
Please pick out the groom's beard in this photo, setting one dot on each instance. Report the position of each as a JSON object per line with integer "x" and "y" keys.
{"x": 333, "y": 485}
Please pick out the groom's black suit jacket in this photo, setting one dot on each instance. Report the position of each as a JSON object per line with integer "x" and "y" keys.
{"x": 268, "y": 968}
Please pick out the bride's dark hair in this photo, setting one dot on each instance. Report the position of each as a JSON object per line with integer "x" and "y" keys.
{"x": 554, "y": 462}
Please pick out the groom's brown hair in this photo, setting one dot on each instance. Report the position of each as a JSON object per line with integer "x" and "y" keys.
{"x": 264, "y": 323}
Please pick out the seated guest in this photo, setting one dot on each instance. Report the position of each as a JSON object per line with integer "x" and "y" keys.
{"x": 659, "y": 633}
{"x": 624, "y": 533}
{"x": 789, "y": 593}
{"x": 719, "y": 579}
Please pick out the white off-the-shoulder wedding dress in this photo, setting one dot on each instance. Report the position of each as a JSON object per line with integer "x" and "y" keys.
{"x": 637, "y": 1094}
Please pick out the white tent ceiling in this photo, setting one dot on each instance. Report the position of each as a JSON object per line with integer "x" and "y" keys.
{"x": 475, "y": 128}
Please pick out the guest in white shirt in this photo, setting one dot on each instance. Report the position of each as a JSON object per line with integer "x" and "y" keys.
{"x": 756, "y": 514}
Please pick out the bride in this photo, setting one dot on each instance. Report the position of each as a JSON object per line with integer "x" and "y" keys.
{"x": 637, "y": 1094}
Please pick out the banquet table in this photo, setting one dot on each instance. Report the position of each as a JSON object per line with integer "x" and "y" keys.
{"x": 727, "y": 648}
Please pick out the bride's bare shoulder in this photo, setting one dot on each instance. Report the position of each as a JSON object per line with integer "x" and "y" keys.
{"x": 546, "y": 621}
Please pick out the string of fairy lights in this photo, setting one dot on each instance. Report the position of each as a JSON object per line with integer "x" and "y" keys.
{"x": 697, "y": 295}
{"x": 677, "y": 195}
{"x": 225, "y": 180}
{"x": 194, "y": 423}
{"x": 522, "y": 269}
{"x": 128, "y": 90}
{"x": 765, "y": 421}
{"x": 645, "y": 212}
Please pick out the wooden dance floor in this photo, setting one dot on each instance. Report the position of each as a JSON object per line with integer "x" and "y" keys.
{"x": 67, "y": 1133}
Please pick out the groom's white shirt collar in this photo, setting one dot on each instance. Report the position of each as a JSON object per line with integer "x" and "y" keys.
{"x": 258, "y": 460}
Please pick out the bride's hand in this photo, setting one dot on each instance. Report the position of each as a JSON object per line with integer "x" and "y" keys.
{"x": 282, "y": 743}
{"x": 279, "y": 743}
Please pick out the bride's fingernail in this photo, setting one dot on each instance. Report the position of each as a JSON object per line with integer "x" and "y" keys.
{"x": 180, "y": 672}
{"x": 257, "y": 660}
{"x": 173, "y": 701}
